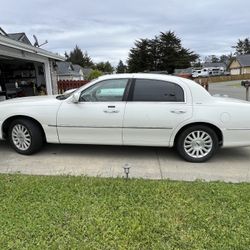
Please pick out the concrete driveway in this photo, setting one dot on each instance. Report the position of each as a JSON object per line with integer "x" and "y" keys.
{"x": 230, "y": 165}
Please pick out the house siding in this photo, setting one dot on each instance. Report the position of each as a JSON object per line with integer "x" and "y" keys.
{"x": 246, "y": 70}
{"x": 236, "y": 69}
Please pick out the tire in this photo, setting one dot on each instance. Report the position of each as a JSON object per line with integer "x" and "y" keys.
{"x": 25, "y": 136}
{"x": 197, "y": 143}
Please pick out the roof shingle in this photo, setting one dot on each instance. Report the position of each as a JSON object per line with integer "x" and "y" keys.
{"x": 244, "y": 60}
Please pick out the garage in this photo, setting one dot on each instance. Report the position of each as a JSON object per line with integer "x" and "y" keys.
{"x": 235, "y": 71}
{"x": 20, "y": 78}
{"x": 26, "y": 70}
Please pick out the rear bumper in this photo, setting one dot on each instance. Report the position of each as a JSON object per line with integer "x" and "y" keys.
{"x": 236, "y": 137}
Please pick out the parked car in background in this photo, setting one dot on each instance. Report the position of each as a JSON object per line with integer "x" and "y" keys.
{"x": 216, "y": 71}
{"x": 206, "y": 72}
{"x": 200, "y": 73}
{"x": 129, "y": 109}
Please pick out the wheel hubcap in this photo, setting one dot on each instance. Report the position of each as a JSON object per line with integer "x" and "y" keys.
{"x": 21, "y": 137}
{"x": 198, "y": 144}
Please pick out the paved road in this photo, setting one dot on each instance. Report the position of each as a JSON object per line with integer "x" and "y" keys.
{"x": 230, "y": 165}
{"x": 231, "y": 89}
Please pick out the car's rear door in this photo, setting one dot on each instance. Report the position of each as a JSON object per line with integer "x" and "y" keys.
{"x": 97, "y": 117}
{"x": 154, "y": 108}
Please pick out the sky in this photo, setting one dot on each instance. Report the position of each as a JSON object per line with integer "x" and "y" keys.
{"x": 108, "y": 29}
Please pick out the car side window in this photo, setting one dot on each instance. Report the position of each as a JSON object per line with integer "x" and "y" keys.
{"x": 147, "y": 90}
{"x": 105, "y": 91}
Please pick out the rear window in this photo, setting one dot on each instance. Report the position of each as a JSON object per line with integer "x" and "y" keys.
{"x": 146, "y": 90}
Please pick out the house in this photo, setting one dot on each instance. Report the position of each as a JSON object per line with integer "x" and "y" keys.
{"x": 20, "y": 37}
{"x": 69, "y": 71}
{"x": 240, "y": 65}
{"x": 24, "y": 67}
{"x": 86, "y": 72}
{"x": 66, "y": 71}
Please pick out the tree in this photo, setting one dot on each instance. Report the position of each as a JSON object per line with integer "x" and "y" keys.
{"x": 87, "y": 61}
{"x": 77, "y": 57}
{"x": 139, "y": 56}
{"x": 108, "y": 67}
{"x": 226, "y": 58}
{"x": 121, "y": 68}
{"x": 215, "y": 59}
{"x": 105, "y": 67}
{"x": 94, "y": 74}
{"x": 212, "y": 59}
{"x": 162, "y": 53}
{"x": 242, "y": 47}
{"x": 197, "y": 63}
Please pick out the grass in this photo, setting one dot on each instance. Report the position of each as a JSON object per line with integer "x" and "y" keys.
{"x": 93, "y": 213}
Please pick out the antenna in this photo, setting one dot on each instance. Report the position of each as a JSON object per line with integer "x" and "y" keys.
{"x": 36, "y": 44}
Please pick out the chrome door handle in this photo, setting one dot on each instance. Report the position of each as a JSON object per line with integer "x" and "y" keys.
{"x": 178, "y": 111}
{"x": 111, "y": 111}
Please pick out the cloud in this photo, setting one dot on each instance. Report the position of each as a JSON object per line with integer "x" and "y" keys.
{"x": 108, "y": 29}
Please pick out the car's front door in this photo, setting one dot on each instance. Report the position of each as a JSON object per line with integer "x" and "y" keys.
{"x": 154, "y": 109}
{"x": 97, "y": 117}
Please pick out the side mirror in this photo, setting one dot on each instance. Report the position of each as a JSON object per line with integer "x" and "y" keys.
{"x": 75, "y": 97}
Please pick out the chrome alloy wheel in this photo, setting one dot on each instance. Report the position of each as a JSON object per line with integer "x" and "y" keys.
{"x": 198, "y": 144}
{"x": 21, "y": 137}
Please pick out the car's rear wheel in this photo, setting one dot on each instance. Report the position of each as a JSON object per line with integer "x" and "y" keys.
{"x": 25, "y": 136}
{"x": 197, "y": 143}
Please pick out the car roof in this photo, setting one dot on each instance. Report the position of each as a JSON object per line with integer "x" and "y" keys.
{"x": 140, "y": 75}
{"x": 174, "y": 79}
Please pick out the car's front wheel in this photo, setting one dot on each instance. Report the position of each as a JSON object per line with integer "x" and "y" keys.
{"x": 25, "y": 136}
{"x": 197, "y": 143}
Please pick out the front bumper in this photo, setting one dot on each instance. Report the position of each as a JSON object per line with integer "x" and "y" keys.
{"x": 1, "y": 132}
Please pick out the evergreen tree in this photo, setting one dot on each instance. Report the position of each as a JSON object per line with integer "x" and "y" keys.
{"x": 139, "y": 56}
{"x": 108, "y": 67}
{"x": 197, "y": 63}
{"x": 105, "y": 67}
{"x": 242, "y": 47}
{"x": 87, "y": 61}
{"x": 121, "y": 68}
{"x": 77, "y": 57}
{"x": 163, "y": 53}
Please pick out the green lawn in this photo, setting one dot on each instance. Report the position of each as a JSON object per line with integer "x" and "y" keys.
{"x": 94, "y": 213}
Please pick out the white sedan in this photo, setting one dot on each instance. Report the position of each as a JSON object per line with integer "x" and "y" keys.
{"x": 129, "y": 109}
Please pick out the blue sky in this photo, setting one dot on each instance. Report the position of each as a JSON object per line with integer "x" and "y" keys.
{"x": 108, "y": 29}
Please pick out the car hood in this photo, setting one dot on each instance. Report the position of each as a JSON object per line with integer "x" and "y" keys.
{"x": 35, "y": 101}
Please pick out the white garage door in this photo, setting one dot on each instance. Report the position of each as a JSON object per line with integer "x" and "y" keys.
{"x": 235, "y": 71}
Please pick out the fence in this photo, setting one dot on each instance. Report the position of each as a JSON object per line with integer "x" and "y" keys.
{"x": 64, "y": 85}
{"x": 204, "y": 82}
